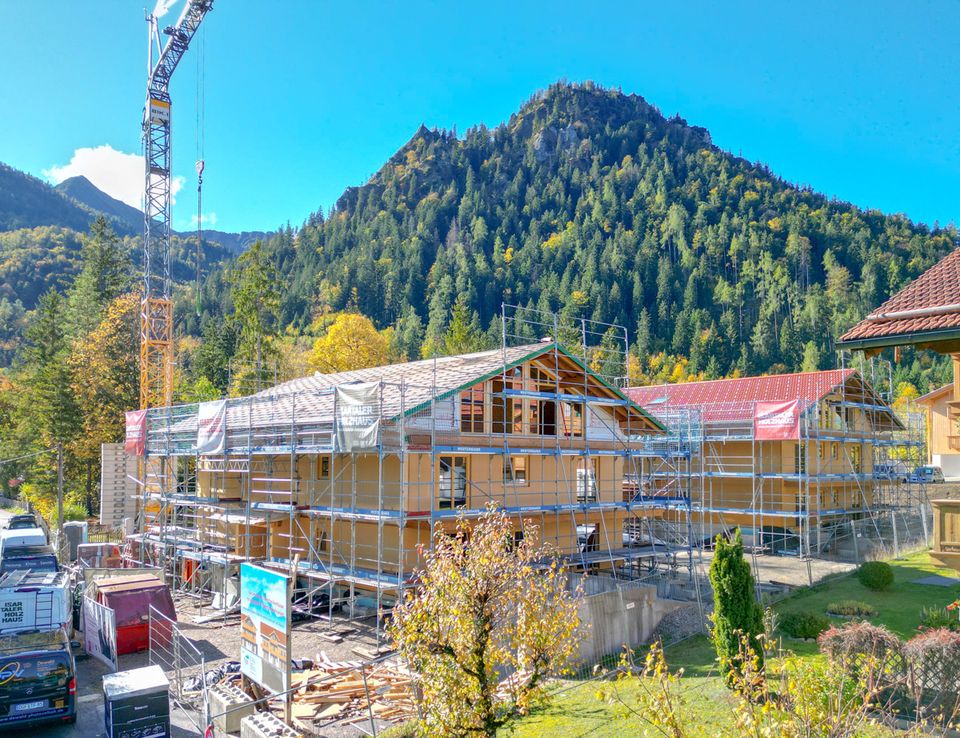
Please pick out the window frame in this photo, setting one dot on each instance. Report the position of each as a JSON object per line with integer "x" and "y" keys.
{"x": 510, "y": 471}
{"x": 466, "y": 482}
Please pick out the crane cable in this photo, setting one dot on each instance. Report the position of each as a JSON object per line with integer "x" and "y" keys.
{"x": 199, "y": 134}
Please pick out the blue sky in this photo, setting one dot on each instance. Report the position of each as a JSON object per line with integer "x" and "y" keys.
{"x": 859, "y": 100}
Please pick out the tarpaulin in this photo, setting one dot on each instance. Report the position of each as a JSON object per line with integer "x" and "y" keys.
{"x": 358, "y": 416}
{"x": 212, "y": 427}
{"x": 136, "y": 436}
{"x": 776, "y": 421}
{"x": 131, "y": 601}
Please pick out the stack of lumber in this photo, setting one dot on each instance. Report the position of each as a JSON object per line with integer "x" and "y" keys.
{"x": 335, "y": 690}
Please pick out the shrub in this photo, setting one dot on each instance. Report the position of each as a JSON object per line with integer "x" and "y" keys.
{"x": 804, "y": 625}
{"x": 938, "y": 617}
{"x": 853, "y": 642}
{"x": 933, "y": 658}
{"x": 875, "y": 575}
{"x": 851, "y": 609}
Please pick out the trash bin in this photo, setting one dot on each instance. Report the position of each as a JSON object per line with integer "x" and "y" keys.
{"x": 136, "y": 703}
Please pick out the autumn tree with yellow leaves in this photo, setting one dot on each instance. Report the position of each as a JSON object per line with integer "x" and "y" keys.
{"x": 351, "y": 342}
{"x": 488, "y": 603}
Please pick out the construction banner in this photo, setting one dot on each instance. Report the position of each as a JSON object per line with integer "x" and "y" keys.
{"x": 135, "y": 442}
{"x": 212, "y": 427}
{"x": 357, "y": 416}
{"x": 100, "y": 632}
{"x": 776, "y": 421}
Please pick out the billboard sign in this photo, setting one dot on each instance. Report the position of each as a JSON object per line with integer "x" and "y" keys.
{"x": 776, "y": 421}
{"x": 100, "y": 632}
{"x": 211, "y": 427}
{"x": 358, "y": 416}
{"x": 265, "y": 627}
{"x": 136, "y": 428}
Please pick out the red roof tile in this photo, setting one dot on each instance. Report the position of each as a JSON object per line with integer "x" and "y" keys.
{"x": 939, "y": 286}
{"x": 733, "y": 399}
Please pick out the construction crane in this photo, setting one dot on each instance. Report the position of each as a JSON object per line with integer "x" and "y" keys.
{"x": 156, "y": 309}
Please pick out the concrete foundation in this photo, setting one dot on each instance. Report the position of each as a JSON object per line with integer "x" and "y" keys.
{"x": 615, "y": 619}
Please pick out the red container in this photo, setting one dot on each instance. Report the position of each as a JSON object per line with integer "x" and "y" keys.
{"x": 130, "y": 598}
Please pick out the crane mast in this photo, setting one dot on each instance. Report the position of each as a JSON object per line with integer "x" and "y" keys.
{"x": 156, "y": 308}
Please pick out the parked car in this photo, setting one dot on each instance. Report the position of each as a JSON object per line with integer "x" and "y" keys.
{"x": 927, "y": 475}
{"x": 894, "y": 470}
{"x": 38, "y": 679}
{"x": 22, "y": 537}
{"x": 36, "y": 558}
{"x": 18, "y": 522}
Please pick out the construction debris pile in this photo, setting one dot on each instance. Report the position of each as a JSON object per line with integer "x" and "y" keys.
{"x": 349, "y": 691}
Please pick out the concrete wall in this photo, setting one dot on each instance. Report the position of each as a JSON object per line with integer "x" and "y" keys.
{"x": 614, "y": 619}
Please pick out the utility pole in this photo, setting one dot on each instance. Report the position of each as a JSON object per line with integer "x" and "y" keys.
{"x": 60, "y": 499}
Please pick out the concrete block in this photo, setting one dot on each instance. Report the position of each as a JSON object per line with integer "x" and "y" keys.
{"x": 266, "y": 725}
{"x": 229, "y": 705}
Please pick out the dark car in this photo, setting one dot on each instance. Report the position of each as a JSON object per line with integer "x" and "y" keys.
{"x": 18, "y": 522}
{"x": 36, "y": 558}
{"x": 38, "y": 681}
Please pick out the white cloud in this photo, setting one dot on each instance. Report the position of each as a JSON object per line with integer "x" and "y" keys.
{"x": 162, "y": 8}
{"x": 208, "y": 219}
{"x": 117, "y": 173}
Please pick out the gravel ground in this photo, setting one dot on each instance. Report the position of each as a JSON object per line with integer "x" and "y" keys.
{"x": 219, "y": 640}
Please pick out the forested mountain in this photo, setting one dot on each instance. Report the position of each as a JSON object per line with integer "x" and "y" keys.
{"x": 27, "y": 202}
{"x": 41, "y": 238}
{"x": 86, "y": 193}
{"x": 591, "y": 202}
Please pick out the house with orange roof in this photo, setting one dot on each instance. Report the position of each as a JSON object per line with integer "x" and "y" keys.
{"x": 789, "y": 459}
{"x": 926, "y": 314}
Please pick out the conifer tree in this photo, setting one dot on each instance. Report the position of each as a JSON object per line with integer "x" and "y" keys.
{"x": 736, "y": 615}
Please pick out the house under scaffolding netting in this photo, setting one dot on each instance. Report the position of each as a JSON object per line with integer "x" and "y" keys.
{"x": 346, "y": 476}
{"x": 810, "y": 464}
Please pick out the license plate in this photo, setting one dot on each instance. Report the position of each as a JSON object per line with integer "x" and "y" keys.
{"x": 30, "y": 706}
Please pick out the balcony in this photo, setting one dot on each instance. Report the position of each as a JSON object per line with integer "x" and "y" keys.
{"x": 946, "y": 533}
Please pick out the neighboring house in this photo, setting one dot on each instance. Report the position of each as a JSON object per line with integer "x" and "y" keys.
{"x": 787, "y": 458}
{"x": 943, "y": 436}
{"x": 924, "y": 314}
{"x": 350, "y": 472}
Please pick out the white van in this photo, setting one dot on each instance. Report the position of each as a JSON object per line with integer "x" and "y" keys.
{"x": 21, "y": 537}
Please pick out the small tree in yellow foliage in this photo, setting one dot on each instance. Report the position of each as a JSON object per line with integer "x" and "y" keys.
{"x": 351, "y": 342}
{"x": 485, "y": 606}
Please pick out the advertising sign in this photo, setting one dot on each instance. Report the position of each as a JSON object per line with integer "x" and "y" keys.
{"x": 211, "y": 427}
{"x": 776, "y": 421}
{"x": 265, "y": 627}
{"x": 100, "y": 632}
{"x": 34, "y": 608}
{"x": 136, "y": 438}
{"x": 358, "y": 416}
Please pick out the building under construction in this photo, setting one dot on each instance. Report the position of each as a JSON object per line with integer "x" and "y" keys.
{"x": 347, "y": 475}
{"x": 811, "y": 464}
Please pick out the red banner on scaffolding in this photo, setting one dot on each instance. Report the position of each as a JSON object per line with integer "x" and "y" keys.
{"x": 136, "y": 440}
{"x": 776, "y": 421}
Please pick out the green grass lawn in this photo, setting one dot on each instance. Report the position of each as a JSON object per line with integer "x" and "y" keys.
{"x": 576, "y": 709}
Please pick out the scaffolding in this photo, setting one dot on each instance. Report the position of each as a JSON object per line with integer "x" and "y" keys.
{"x": 835, "y": 488}
{"x": 349, "y": 491}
